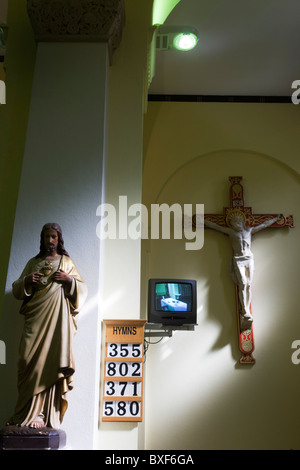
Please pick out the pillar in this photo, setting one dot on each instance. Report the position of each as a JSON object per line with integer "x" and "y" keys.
{"x": 61, "y": 179}
{"x": 127, "y": 93}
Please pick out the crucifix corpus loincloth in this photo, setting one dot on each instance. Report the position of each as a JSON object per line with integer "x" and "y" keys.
{"x": 239, "y": 223}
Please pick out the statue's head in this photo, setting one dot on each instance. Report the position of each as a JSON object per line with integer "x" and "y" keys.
{"x": 60, "y": 245}
{"x": 236, "y": 219}
{"x": 237, "y": 223}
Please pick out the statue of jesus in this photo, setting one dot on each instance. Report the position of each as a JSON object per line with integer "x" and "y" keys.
{"x": 242, "y": 263}
{"x": 53, "y": 293}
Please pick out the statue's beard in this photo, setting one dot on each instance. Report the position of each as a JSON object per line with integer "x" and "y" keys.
{"x": 50, "y": 248}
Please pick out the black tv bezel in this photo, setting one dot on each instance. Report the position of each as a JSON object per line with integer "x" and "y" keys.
{"x": 177, "y": 319}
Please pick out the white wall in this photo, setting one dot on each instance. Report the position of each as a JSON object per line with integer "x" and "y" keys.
{"x": 197, "y": 394}
{"x": 61, "y": 182}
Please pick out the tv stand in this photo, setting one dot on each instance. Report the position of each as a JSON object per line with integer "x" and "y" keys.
{"x": 156, "y": 330}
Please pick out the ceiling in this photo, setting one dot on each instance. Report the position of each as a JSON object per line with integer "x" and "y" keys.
{"x": 246, "y": 47}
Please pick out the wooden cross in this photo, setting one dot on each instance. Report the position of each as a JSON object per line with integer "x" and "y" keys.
{"x": 246, "y": 338}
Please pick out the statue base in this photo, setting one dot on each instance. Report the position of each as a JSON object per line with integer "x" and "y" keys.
{"x": 26, "y": 438}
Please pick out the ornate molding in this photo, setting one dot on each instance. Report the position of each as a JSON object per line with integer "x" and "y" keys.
{"x": 78, "y": 20}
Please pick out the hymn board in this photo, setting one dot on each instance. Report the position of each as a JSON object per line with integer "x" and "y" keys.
{"x": 123, "y": 370}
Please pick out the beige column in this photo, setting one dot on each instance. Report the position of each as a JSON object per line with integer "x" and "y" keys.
{"x": 62, "y": 175}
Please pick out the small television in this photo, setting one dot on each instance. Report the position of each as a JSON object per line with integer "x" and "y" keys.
{"x": 172, "y": 302}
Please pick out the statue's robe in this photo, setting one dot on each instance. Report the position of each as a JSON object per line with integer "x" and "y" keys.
{"x": 46, "y": 360}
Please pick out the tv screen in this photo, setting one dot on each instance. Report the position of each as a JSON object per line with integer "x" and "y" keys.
{"x": 172, "y": 301}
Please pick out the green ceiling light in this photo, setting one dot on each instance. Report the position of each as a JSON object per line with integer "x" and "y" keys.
{"x": 185, "y": 41}
{"x": 181, "y": 38}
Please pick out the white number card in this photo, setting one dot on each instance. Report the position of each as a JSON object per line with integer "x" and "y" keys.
{"x": 115, "y": 388}
{"x": 129, "y": 350}
{"x": 124, "y": 369}
{"x": 122, "y": 409}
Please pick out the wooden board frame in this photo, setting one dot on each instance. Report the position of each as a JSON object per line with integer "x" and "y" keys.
{"x": 123, "y": 375}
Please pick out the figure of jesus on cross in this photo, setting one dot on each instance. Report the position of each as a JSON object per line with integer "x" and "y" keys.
{"x": 242, "y": 262}
{"x": 240, "y": 224}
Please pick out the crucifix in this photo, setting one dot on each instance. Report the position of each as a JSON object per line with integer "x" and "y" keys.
{"x": 239, "y": 223}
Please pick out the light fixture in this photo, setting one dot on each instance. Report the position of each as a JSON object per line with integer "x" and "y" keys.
{"x": 181, "y": 38}
{"x": 185, "y": 41}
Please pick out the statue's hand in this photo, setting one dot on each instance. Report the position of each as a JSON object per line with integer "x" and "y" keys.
{"x": 32, "y": 279}
{"x": 62, "y": 278}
